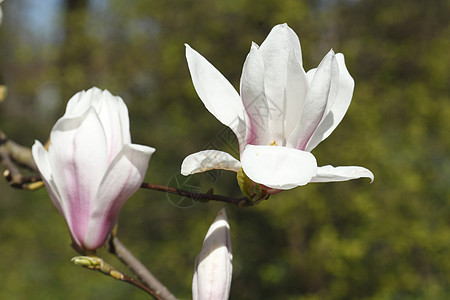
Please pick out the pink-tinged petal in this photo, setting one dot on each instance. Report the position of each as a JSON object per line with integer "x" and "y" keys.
{"x": 82, "y": 153}
{"x": 344, "y": 95}
{"x": 209, "y": 160}
{"x": 217, "y": 94}
{"x": 123, "y": 177}
{"x": 77, "y": 156}
{"x": 214, "y": 264}
{"x": 332, "y": 174}
{"x": 254, "y": 99}
{"x": 315, "y": 103}
{"x": 296, "y": 90}
{"x": 278, "y": 167}
{"x": 275, "y": 51}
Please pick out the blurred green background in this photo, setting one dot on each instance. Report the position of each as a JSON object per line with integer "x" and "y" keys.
{"x": 350, "y": 240}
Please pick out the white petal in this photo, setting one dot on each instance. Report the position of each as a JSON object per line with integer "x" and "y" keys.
{"x": 254, "y": 99}
{"x": 344, "y": 95}
{"x": 278, "y": 167}
{"x": 209, "y": 160}
{"x": 41, "y": 158}
{"x": 281, "y": 37}
{"x": 81, "y": 102}
{"x": 1, "y": 13}
{"x": 112, "y": 112}
{"x": 331, "y": 174}
{"x": 296, "y": 89}
{"x": 275, "y": 51}
{"x": 214, "y": 265}
{"x": 123, "y": 177}
{"x": 217, "y": 94}
{"x": 315, "y": 103}
{"x": 310, "y": 75}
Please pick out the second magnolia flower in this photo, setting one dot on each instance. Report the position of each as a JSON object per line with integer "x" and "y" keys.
{"x": 91, "y": 167}
{"x": 281, "y": 114}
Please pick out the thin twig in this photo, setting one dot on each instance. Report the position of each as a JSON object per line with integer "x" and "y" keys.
{"x": 18, "y": 153}
{"x": 117, "y": 248}
{"x": 14, "y": 172}
{"x": 14, "y": 155}
{"x": 11, "y": 152}
{"x": 241, "y": 202}
{"x": 23, "y": 182}
{"x": 98, "y": 264}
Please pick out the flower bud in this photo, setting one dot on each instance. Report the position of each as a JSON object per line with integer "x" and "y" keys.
{"x": 91, "y": 167}
{"x": 213, "y": 266}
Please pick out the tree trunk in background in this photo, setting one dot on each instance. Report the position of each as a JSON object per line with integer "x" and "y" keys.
{"x": 74, "y": 55}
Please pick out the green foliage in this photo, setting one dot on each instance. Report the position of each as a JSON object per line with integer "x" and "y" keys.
{"x": 351, "y": 240}
{"x": 249, "y": 189}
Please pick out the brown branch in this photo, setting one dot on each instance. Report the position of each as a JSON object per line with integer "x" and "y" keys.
{"x": 240, "y": 202}
{"x": 98, "y": 264}
{"x": 128, "y": 279}
{"x": 11, "y": 152}
{"x": 14, "y": 156}
{"x": 23, "y": 182}
{"x": 18, "y": 153}
{"x": 145, "y": 276}
{"x": 13, "y": 171}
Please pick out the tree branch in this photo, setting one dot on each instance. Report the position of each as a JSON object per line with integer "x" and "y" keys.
{"x": 98, "y": 264}
{"x": 145, "y": 276}
{"x": 240, "y": 202}
{"x": 17, "y": 153}
{"x": 11, "y": 152}
{"x": 14, "y": 155}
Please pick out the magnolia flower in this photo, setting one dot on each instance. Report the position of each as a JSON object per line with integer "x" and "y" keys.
{"x": 280, "y": 116}
{"x": 213, "y": 265}
{"x": 91, "y": 167}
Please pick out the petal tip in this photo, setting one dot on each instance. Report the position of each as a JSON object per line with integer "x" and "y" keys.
{"x": 370, "y": 176}
{"x": 141, "y": 148}
{"x": 222, "y": 214}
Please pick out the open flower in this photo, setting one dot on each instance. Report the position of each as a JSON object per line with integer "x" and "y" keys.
{"x": 91, "y": 167}
{"x": 280, "y": 116}
{"x": 214, "y": 264}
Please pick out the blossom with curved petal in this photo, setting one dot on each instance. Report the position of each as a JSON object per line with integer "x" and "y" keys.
{"x": 280, "y": 116}
{"x": 214, "y": 264}
{"x": 91, "y": 167}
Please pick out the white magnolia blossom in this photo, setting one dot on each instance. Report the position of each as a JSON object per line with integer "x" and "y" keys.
{"x": 91, "y": 167}
{"x": 214, "y": 264}
{"x": 280, "y": 116}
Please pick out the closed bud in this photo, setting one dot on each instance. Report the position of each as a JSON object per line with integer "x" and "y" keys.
{"x": 213, "y": 266}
